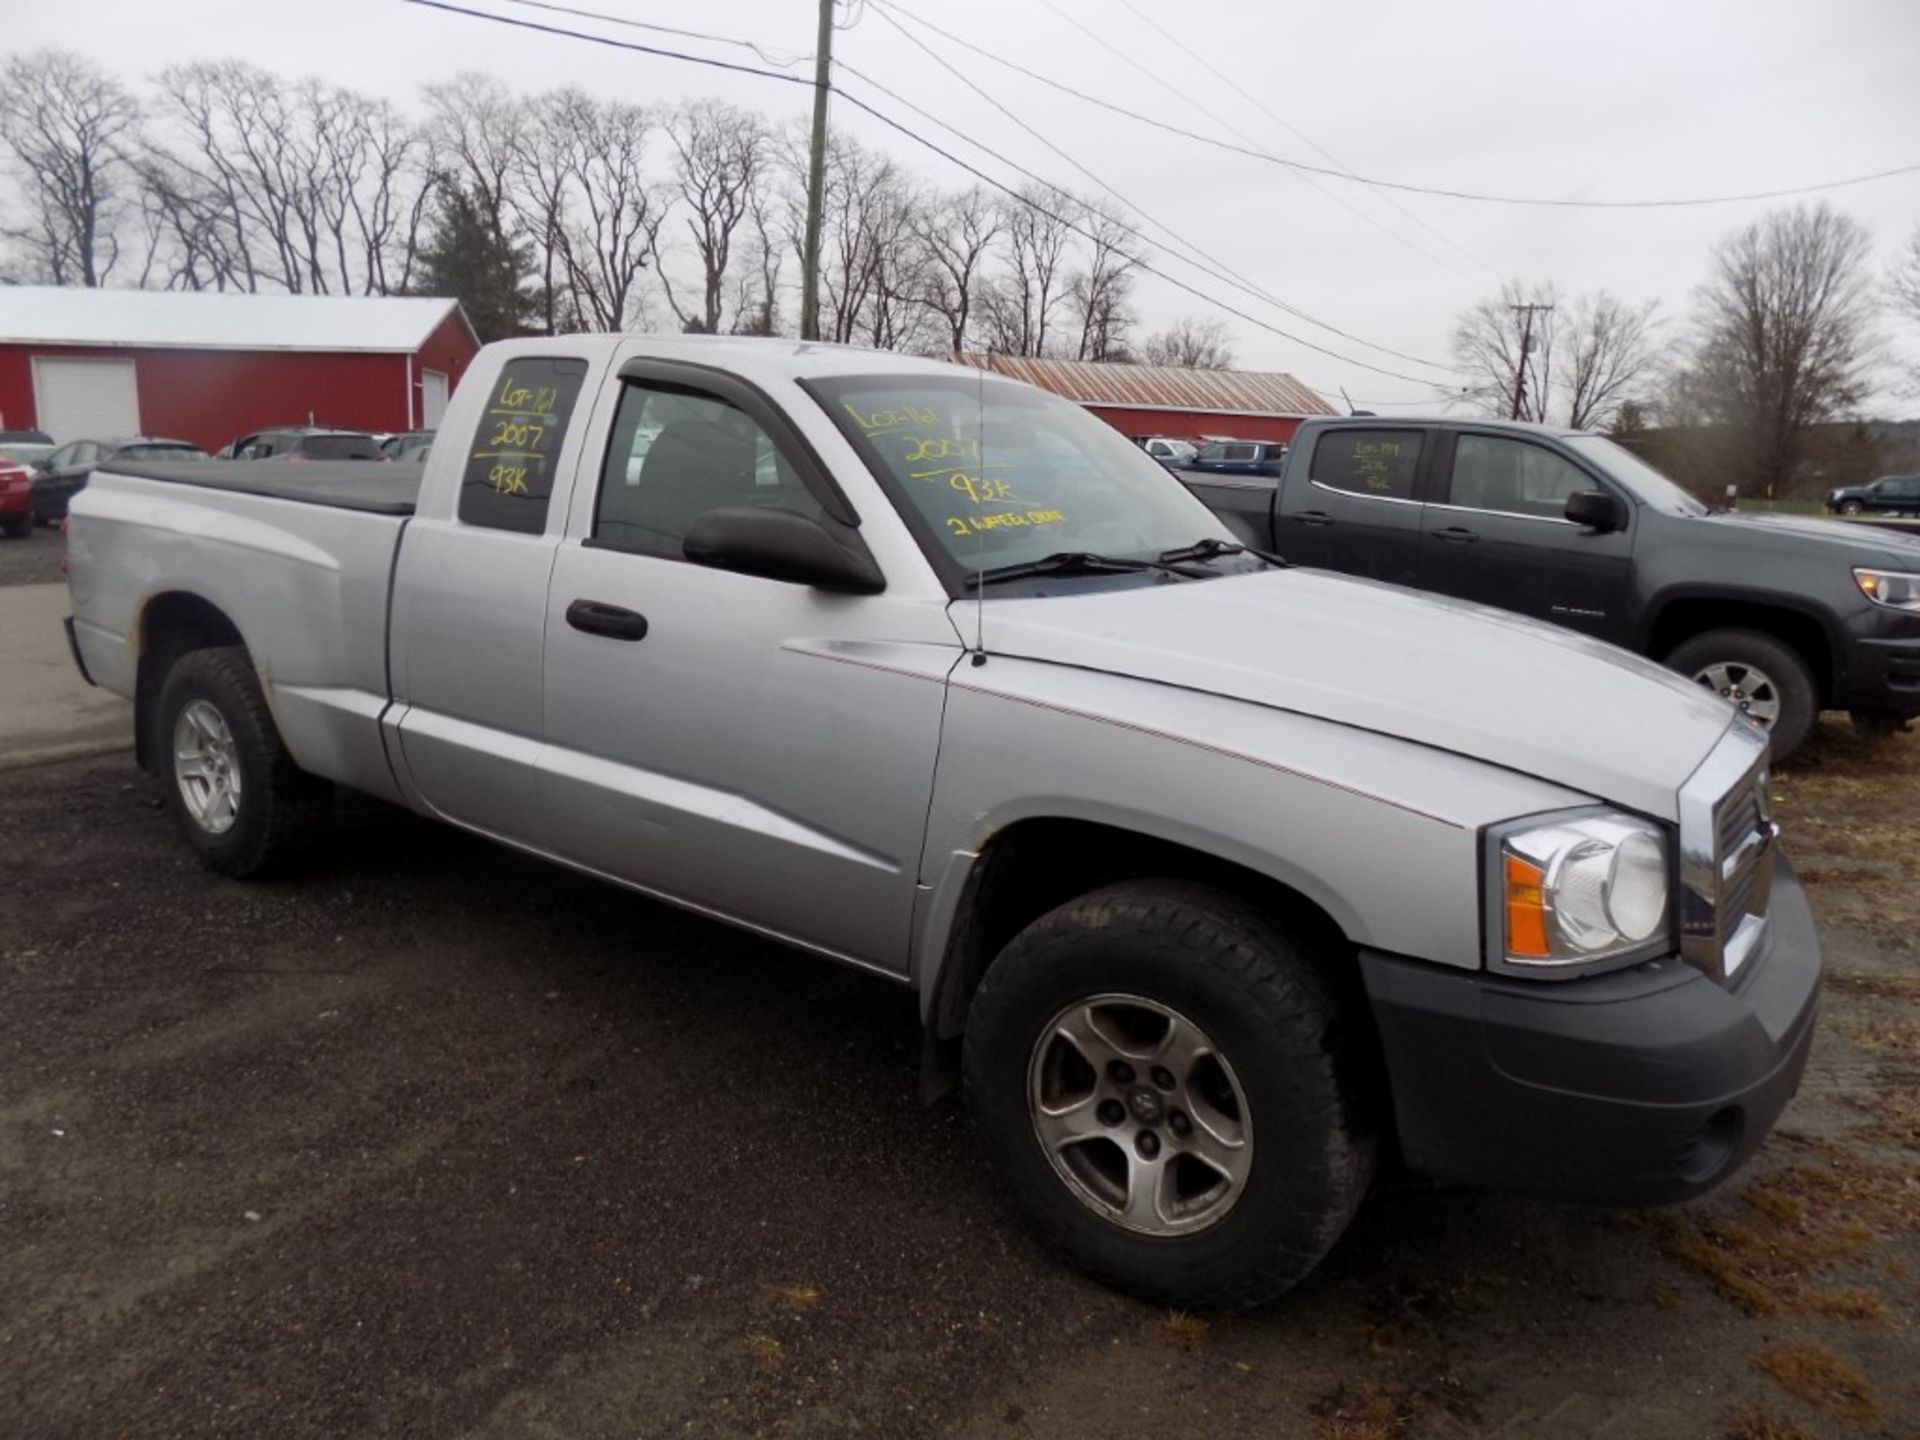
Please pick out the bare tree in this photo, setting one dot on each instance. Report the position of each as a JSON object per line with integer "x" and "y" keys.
{"x": 1191, "y": 344}
{"x": 1487, "y": 346}
{"x": 720, "y": 157}
{"x": 606, "y": 222}
{"x": 956, "y": 235}
{"x": 756, "y": 305}
{"x": 1097, "y": 294}
{"x": 71, "y": 129}
{"x": 1903, "y": 280}
{"x": 1783, "y": 335}
{"x": 1019, "y": 306}
{"x": 1608, "y": 354}
{"x": 872, "y": 269}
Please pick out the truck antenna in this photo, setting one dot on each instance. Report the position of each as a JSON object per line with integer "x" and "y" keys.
{"x": 980, "y": 536}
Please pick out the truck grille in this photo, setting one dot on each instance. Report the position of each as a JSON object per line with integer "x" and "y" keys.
{"x": 1726, "y": 856}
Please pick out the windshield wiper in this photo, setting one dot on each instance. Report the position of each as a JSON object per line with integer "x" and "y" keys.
{"x": 1076, "y": 562}
{"x": 1211, "y": 547}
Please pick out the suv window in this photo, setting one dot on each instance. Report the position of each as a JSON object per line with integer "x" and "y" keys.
{"x": 339, "y": 447}
{"x": 677, "y": 453}
{"x": 1907, "y": 488}
{"x": 507, "y": 483}
{"x": 1491, "y": 472}
{"x": 1380, "y": 463}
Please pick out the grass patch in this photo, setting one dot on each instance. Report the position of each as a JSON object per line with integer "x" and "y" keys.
{"x": 1186, "y": 1332}
{"x": 1813, "y": 1373}
{"x": 1750, "y": 1422}
{"x": 768, "y": 1351}
{"x": 800, "y": 1296}
{"x": 1367, "y": 1411}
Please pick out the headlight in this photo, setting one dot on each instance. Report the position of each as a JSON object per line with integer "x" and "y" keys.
{"x": 1889, "y": 587}
{"x": 1579, "y": 892}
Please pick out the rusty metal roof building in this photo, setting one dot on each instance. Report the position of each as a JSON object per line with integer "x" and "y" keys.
{"x": 1159, "y": 387}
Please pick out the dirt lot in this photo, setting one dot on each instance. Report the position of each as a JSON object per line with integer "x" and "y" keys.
{"x": 438, "y": 1141}
{"x": 33, "y": 561}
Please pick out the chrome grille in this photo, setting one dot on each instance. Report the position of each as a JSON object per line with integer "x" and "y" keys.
{"x": 1726, "y": 855}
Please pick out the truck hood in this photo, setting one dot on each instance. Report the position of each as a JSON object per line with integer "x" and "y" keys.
{"x": 1465, "y": 678}
{"x": 1863, "y": 543}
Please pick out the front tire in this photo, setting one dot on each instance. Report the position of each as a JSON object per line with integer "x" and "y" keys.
{"x": 1849, "y": 507}
{"x": 1764, "y": 677}
{"x": 20, "y": 527}
{"x": 239, "y": 798}
{"x": 1169, "y": 1081}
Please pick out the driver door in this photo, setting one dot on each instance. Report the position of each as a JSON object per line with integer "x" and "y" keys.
{"x": 754, "y": 748}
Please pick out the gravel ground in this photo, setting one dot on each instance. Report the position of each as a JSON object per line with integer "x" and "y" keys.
{"x": 437, "y": 1140}
{"x": 33, "y": 561}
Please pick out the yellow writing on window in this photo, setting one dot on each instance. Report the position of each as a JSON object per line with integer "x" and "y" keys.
{"x": 962, "y": 527}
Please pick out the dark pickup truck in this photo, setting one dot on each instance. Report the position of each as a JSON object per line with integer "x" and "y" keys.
{"x": 1784, "y": 616}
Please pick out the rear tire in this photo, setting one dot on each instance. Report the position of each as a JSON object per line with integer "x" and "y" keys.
{"x": 1272, "y": 1057}
{"x": 20, "y": 528}
{"x": 1770, "y": 681}
{"x": 240, "y": 800}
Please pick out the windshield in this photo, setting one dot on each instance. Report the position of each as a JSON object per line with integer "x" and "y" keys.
{"x": 996, "y": 473}
{"x": 24, "y": 454}
{"x": 159, "y": 452}
{"x": 340, "y": 447}
{"x": 1648, "y": 485}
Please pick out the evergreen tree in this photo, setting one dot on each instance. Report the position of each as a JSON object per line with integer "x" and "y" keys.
{"x": 468, "y": 259}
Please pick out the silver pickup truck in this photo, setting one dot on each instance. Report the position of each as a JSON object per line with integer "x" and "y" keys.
{"x": 1220, "y": 881}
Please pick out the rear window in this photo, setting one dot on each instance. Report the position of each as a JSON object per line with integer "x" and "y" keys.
{"x": 1380, "y": 463}
{"x": 508, "y": 479}
{"x": 339, "y": 447}
{"x": 160, "y": 452}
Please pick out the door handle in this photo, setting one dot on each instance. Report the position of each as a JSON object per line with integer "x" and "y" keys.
{"x": 616, "y": 622}
{"x": 1312, "y": 517}
{"x": 1456, "y": 535}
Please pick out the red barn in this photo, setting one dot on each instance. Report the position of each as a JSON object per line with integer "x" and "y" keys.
{"x": 205, "y": 366}
{"x": 1169, "y": 400}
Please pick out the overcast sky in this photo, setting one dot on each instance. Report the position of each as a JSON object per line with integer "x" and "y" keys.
{"x": 1558, "y": 98}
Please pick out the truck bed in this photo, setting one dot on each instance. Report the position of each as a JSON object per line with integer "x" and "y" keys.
{"x": 369, "y": 485}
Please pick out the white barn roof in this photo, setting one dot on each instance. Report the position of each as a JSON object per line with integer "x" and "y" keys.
{"x": 210, "y": 320}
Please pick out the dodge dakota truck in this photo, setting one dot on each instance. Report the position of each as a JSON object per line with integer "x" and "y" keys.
{"x": 1218, "y": 880}
{"x": 1784, "y": 616}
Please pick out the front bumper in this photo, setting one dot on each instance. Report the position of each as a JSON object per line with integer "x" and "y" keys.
{"x": 1640, "y": 1087}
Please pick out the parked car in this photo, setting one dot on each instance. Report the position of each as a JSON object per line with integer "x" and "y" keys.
{"x": 415, "y": 453}
{"x": 1167, "y": 449}
{"x": 1889, "y": 495}
{"x": 62, "y": 474}
{"x": 1253, "y": 458}
{"x": 395, "y": 445}
{"x": 25, "y": 437}
{"x": 16, "y": 498}
{"x": 1784, "y": 616}
{"x": 1216, "y": 879}
{"x": 305, "y": 442}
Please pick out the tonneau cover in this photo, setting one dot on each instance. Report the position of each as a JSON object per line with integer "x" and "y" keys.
{"x": 378, "y": 487}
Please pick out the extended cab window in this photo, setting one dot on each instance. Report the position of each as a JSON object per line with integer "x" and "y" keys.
{"x": 508, "y": 479}
{"x": 677, "y": 453}
{"x": 1514, "y": 476}
{"x": 1380, "y": 463}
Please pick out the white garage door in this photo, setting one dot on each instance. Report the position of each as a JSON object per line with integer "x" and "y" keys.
{"x": 76, "y": 399}
{"x": 433, "y": 398}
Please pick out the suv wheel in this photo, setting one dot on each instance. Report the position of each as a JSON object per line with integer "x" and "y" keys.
{"x": 1165, "y": 1076}
{"x": 1764, "y": 678}
{"x": 244, "y": 805}
{"x": 1849, "y": 507}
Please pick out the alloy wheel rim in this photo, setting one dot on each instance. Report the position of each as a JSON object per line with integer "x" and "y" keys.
{"x": 1140, "y": 1114}
{"x": 1747, "y": 687}
{"x": 206, "y": 767}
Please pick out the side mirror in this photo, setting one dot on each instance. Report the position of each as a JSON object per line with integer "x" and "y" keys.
{"x": 1597, "y": 510}
{"x": 780, "y": 545}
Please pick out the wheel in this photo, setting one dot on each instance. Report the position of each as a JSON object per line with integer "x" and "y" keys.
{"x": 1849, "y": 507}
{"x": 1164, "y": 1076}
{"x": 1764, "y": 677}
{"x": 1877, "y": 724}
{"x": 20, "y": 527}
{"x": 244, "y": 805}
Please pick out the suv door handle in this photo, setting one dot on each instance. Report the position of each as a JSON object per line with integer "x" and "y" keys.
{"x": 1456, "y": 535}
{"x": 1312, "y": 517}
{"x": 614, "y": 621}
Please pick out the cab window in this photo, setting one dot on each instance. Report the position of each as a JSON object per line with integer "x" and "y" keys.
{"x": 1383, "y": 464}
{"x": 1515, "y": 477}
{"x": 676, "y": 453}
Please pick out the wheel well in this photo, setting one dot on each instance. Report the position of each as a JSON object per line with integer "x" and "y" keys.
{"x": 1684, "y": 619}
{"x": 1033, "y": 866}
{"x": 172, "y": 625}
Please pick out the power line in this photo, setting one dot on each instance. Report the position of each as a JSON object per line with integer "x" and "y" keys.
{"x": 659, "y": 29}
{"x": 1253, "y": 152}
{"x": 1213, "y": 267}
{"x": 1219, "y": 73}
{"x": 1242, "y": 135}
{"x": 885, "y": 119}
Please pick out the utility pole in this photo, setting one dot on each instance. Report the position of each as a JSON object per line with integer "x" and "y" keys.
{"x": 1526, "y": 349}
{"x": 816, "y": 177}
